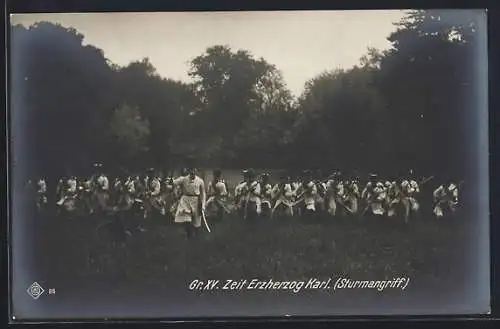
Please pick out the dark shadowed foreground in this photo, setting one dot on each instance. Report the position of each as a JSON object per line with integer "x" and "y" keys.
{"x": 282, "y": 249}
{"x": 161, "y": 262}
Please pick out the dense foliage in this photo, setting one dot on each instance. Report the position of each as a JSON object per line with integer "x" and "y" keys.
{"x": 405, "y": 107}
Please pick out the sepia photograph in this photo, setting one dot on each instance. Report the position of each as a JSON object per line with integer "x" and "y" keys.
{"x": 186, "y": 165}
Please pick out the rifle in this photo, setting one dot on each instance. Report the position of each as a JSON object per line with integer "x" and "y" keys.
{"x": 301, "y": 195}
{"x": 321, "y": 189}
{"x": 281, "y": 190}
{"x": 345, "y": 206}
{"x": 341, "y": 202}
{"x": 238, "y": 196}
{"x": 426, "y": 180}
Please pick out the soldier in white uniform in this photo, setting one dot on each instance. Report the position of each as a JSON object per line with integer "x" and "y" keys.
{"x": 321, "y": 195}
{"x": 353, "y": 195}
{"x": 69, "y": 194}
{"x": 176, "y": 191}
{"x": 409, "y": 189}
{"x": 123, "y": 209}
{"x": 217, "y": 196}
{"x": 266, "y": 194}
{"x": 445, "y": 199}
{"x": 85, "y": 191}
{"x": 440, "y": 200}
{"x": 297, "y": 188}
{"x": 117, "y": 184}
{"x": 168, "y": 194}
{"x": 368, "y": 194}
{"x": 296, "y": 184}
{"x": 307, "y": 196}
{"x": 143, "y": 186}
{"x": 283, "y": 196}
{"x": 126, "y": 199}
{"x": 393, "y": 198}
{"x": 102, "y": 194}
{"x": 239, "y": 200}
{"x": 155, "y": 199}
{"x": 60, "y": 188}
{"x": 41, "y": 194}
{"x": 116, "y": 189}
{"x": 251, "y": 197}
{"x": 191, "y": 203}
{"x": 368, "y": 189}
{"x": 331, "y": 195}
{"x": 387, "y": 185}
{"x": 342, "y": 197}
{"x": 380, "y": 197}
{"x": 137, "y": 186}
{"x": 453, "y": 199}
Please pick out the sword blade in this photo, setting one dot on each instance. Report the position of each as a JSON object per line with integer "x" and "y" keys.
{"x": 205, "y": 221}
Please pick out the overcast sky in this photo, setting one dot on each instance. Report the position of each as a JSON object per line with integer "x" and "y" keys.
{"x": 301, "y": 44}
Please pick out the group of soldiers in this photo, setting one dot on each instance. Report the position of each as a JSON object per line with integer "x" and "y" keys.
{"x": 186, "y": 199}
{"x": 340, "y": 196}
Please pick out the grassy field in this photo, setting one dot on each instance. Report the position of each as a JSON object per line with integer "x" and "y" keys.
{"x": 279, "y": 248}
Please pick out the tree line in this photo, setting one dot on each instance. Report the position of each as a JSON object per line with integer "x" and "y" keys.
{"x": 410, "y": 106}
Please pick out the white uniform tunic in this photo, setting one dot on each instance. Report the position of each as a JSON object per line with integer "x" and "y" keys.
{"x": 439, "y": 196}
{"x": 117, "y": 186}
{"x": 283, "y": 193}
{"x": 41, "y": 192}
{"x": 267, "y": 194}
{"x": 69, "y": 191}
{"x": 310, "y": 194}
{"x": 238, "y": 188}
{"x": 352, "y": 196}
{"x": 410, "y": 189}
{"x": 252, "y": 194}
{"x": 342, "y": 196}
{"x": 102, "y": 192}
{"x": 126, "y": 197}
{"x": 103, "y": 182}
{"x": 377, "y": 204}
{"x": 217, "y": 190}
{"x": 72, "y": 185}
{"x": 42, "y": 186}
{"x": 393, "y": 198}
{"x": 156, "y": 199}
{"x": 445, "y": 197}
{"x": 193, "y": 192}
{"x": 68, "y": 200}
{"x": 319, "y": 199}
{"x": 365, "y": 194}
{"x": 217, "y": 194}
{"x": 169, "y": 196}
{"x": 238, "y": 194}
{"x": 130, "y": 186}
{"x": 453, "y": 202}
{"x": 155, "y": 186}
